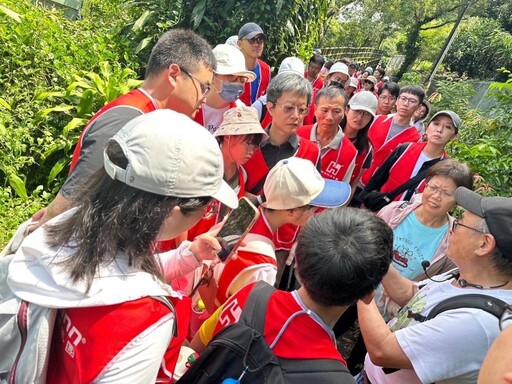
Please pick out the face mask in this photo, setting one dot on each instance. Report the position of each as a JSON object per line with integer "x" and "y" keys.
{"x": 231, "y": 91}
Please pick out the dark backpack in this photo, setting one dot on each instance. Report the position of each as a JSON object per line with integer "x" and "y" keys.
{"x": 241, "y": 347}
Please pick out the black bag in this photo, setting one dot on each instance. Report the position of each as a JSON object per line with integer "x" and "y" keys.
{"x": 241, "y": 347}
{"x": 376, "y": 200}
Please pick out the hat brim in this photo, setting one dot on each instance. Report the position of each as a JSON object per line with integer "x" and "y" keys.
{"x": 251, "y": 76}
{"x": 362, "y": 108}
{"x": 250, "y": 35}
{"x": 469, "y": 200}
{"x": 334, "y": 194}
{"x": 226, "y": 195}
{"x": 449, "y": 114}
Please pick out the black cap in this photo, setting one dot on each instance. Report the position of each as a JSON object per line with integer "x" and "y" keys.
{"x": 249, "y": 30}
{"x": 497, "y": 213}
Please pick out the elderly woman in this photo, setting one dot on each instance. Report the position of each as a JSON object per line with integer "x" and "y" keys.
{"x": 421, "y": 227}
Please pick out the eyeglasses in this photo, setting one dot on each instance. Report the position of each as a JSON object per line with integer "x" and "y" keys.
{"x": 387, "y": 98}
{"x": 506, "y": 318}
{"x": 456, "y": 223}
{"x": 289, "y": 109}
{"x": 408, "y": 100}
{"x": 233, "y": 79}
{"x": 433, "y": 190}
{"x": 256, "y": 40}
{"x": 205, "y": 88}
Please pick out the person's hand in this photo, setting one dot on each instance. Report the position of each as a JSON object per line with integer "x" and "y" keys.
{"x": 205, "y": 247}
{"x": 38, "y": 219}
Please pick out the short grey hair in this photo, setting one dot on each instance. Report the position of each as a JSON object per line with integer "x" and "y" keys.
{"x": 289, "y": 82}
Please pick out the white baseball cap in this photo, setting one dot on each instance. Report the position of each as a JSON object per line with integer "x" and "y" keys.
{"x": 364, "y": 101}
{"x": 169, "y": 154}
{"x": 241, "y": 120}
{"x": 231, "y": 61}
{"x": 352, "y": 82}
{"x": 292, "y": 64}
{"x": 339, "y": 68}
{"x": 295, "y": 182}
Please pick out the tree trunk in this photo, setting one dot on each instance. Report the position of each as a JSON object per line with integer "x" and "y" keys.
{"x": 412, "y": 50}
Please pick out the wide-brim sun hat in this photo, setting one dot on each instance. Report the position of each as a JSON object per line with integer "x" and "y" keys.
{"x": 241, "y": 120}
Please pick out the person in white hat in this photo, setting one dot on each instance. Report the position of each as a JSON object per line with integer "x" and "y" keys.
{"x": 369, "y": 83}
{"x": 293, "y": 190}
{"x": 96, "y": 262}
{"x": 338, "y": 75}
{"x": 358, "y": 118}
{"x": 228, "y": 84}
{"x": 350, "y": 87}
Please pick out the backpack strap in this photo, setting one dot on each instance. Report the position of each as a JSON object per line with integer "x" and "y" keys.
{"x": 255, "y": 308}
{"x": 489, "y": 304}
{"x": 165, "y": 301}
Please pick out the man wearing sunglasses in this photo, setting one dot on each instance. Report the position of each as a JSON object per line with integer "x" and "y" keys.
{"x": 229, "y": 79}
{"x": 451, "y": 346}
{"x": 178, "y": 77}
{"x": 251, "y": 41}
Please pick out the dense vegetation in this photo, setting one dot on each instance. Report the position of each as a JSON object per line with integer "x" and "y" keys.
{"x": 55, "y": 73}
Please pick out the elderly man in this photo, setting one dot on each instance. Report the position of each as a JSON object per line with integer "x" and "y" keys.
{"x": 450, "y": 347}
{"x": 178, "y": 77}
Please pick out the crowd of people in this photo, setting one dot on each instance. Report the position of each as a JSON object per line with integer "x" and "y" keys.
{"x": 316, "y": 148}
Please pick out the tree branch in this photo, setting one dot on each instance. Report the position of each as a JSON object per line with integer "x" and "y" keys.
{"x": 437, "y": 26}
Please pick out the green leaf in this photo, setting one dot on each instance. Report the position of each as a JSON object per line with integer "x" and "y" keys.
{"x": 73, "y": 124}
{"x": 198, "y": 13}
{"x": 143, "y": 44}
{"x": 58, "y": 108}
{"x": 86, "y": 103}
{"x": 141, "y": 21}
{"x": 4, "y": 104}
{"x": 57, "y": 168}
{"x": 48, "y": 95}
{"x": 13, "y": 15}
{"x": 18, "y": 185}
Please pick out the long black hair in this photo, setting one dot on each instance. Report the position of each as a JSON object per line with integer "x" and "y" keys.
{"x": 112, "y": 219}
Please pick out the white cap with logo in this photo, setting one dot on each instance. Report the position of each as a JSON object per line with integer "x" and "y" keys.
{"x": 169, "y": 154}
{"x": 295, "y": 182}
{"x": 231, "y": 61}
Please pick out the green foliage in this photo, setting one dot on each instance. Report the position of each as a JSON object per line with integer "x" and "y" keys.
{"x": 54, "y": 73}
{"x": 484, "y": 139}
{"x": 292, "y": 27}
{"x": 480, "y": 47}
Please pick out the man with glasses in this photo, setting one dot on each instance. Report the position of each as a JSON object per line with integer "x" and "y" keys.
{"x": 251, "y": 41}
{"x": 229, "y": 79}
{"x": 389, "y": 131}
{"x": 178, "y": 77}
{"x": 451, "y": 346}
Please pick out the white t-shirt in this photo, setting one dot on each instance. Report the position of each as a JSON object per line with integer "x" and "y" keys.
{"x": 212, "y": 117}
{"x": 448, "y": 349}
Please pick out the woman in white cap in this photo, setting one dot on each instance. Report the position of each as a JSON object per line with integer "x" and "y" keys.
{"x": 96, "y": 264}
{"x": 411, "y": 159}
{"x": 358, "y": 118}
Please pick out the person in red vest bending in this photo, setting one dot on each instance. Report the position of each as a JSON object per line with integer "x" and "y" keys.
{"x": 178, "y": 77}
{"x": 337, "y": 153}
{"x": 408, "y": 159}
{"x": 389, "y": 131}
{"x": 342, "y": 254}
{"x": 251, "y": 41}
{"x": 229, "y": 78}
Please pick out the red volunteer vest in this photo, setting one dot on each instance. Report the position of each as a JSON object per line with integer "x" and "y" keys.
{"x": 402, "y": 170}
{"x": 304, "y": 338}
{"x": 264, "y": 80}
{"x": 135, "y": 98}
{"x": 335, "y": 162}
{"x": 378, "y": 133}
{"x": 317, "y": 85}
{"x": 86, "y": 340}
{"x": 245, "y": 259}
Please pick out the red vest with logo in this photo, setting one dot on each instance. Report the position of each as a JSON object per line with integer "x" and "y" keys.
{"x": 87, "y": 340}
{"x": 304, "y": 338}
{"x": 335, "y": 162}
{"x": 402, "y": 170}
{"x": 135, "y": 98}
{"x": 378, "y": 134}
{"x": 360, "y": 159}
{"x": 264, "y": 80}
